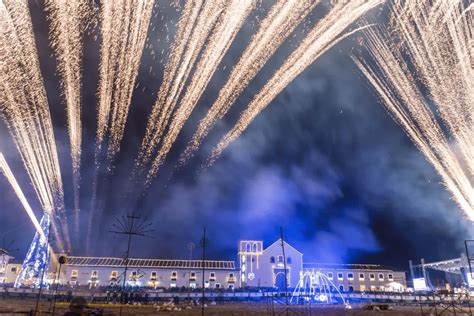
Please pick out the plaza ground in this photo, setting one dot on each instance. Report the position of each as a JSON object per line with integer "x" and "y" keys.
{"x": 25, "y": 306}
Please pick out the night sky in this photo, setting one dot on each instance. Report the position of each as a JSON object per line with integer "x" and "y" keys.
{"x": 325, "y": 161}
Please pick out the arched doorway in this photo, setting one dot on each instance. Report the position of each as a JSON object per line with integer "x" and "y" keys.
{"x": 280, "y": 279}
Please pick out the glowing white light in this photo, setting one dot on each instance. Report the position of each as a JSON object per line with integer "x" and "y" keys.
{"x": 419, "y": 284}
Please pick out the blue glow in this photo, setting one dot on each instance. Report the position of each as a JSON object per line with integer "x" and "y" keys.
{"x": 37, "y": 259}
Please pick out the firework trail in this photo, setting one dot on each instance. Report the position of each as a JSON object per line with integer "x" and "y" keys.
{"x": 194, "y": 26}
{"x": 24, "y": 107}
{"x": 325, "y": 34}
{"x": 67, "y": 26}
{"x": 229, "y": 23}
{"x": 16, "y": 187}
{"x": 273, "y": 31}
{"x": 423, "y": 71}
{"x": 124, "y": 26}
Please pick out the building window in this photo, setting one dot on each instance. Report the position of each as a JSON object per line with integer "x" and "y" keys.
{"x": 192, "y": 285}
{"x": 174, "y": 276}
{"x": 351, "y": 288}
{"x": 288, "y": 260}
{"x": 206, "y": 284}
{"x": 362, "y": 287}
{"x": 350, "y": 276}
{"x": 390, "y": 277}
{"x": 272, "y": 259}
{"x": 94, "y": 274}
{"x": 248, "y": 247}
{"x": 74, "y": 273}
{"x": 231, "y": 278}
{"x": 340, "y": 276}
{"x": 212, "y": 276}
{"x": 330, "y": 275}
{"x": 254, "y": 247}
{"x": 372, "y": 276}
{"x": 217, "y": 286}
{"x": 114, "y": 275}
{"x": 153, "y": 276}
{"x": 172, "y": 284}
{"x": 133, "y": 276}
{"x": 361, "y": 276}
{"x": 13, "y": 269}
{"x": 341, "y": 288}
{"x": 192, "y": 276}
{"x": 280, "y": 259}
{"x": 381, "y": 276}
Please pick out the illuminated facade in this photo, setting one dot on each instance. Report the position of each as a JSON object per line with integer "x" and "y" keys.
{"x": 8, "y": 269}
{"x": 360, "y": 277}
{"x": 94, "y": 271}
{"x": 257, "y": 267}
{"x": 266, "y": 267}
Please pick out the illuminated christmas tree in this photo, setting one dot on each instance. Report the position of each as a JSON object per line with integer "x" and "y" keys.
{"x": 37, "y": 258}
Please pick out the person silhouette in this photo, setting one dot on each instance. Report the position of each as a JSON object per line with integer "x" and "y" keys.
{"x": 78, "y": 304}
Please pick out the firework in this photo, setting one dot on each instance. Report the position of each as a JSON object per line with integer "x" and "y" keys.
{"x": 223, "y": 33}
{"x": 423, "y": 72}
{"x": 194, "y": 26}
{"x": 67, "y": 26}
{"x": 19, "y": 193}
{"x": 273, "y": 31}
{"x": 24, "y": 107}
{"x": 124, "y": 26}
{"x": 325, "y": 34}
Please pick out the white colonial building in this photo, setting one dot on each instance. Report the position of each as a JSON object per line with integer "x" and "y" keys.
{"x": 265, "y": 267}
{"x": 258, "y": 267}
{"x": 8, "y": 268}
{"x": 360, "y": 277}
{"x": 98, "y": 271}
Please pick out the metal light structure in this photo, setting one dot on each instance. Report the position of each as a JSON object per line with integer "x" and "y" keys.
{"x": 37, "y": 259}
{"x": 315, "y": 287}
{"x": 61, "y": 260}
{"x": 131, "y": 225}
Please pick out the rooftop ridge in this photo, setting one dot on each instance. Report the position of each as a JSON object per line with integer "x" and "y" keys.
{"x": 150, "y": 263}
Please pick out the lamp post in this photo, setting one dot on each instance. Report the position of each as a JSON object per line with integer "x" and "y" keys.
{"x": 203, "y": 244}
{"x": 130, "y": 225}
{"x": 284, "y": 267}
{"x": 62, "y": 260}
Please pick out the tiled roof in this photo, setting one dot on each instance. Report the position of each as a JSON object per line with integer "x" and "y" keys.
{"x": 149, "y": 263}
